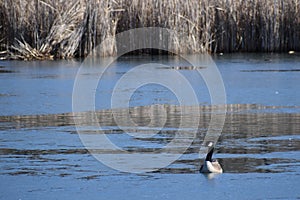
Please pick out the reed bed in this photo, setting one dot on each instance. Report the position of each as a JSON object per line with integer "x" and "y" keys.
{"x": 49, "y": 29}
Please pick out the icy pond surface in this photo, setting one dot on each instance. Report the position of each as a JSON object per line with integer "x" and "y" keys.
{"x": 43, "y": 157}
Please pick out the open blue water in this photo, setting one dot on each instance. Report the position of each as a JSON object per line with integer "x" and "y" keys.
{"x": 42, "y": 156}
{"x": 266, "y": 79}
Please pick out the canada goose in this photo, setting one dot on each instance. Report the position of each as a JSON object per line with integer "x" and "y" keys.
{"x": 210, "y": 165}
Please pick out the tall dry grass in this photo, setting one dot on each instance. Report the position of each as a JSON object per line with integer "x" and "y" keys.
{"x": 47, "y": 29}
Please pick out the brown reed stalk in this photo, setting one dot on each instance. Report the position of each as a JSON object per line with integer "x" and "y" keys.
{"x": 48, "y": 29}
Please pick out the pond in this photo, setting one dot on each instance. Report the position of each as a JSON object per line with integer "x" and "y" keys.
{"x": 43, "y": 156}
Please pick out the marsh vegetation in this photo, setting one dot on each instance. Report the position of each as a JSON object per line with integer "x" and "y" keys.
{"x": 48, "y": 29}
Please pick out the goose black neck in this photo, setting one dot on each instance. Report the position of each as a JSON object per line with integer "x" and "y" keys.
{"x": 209, "y": 155}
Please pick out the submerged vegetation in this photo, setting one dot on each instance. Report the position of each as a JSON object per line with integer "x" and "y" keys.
{"x": 48, "y": 29}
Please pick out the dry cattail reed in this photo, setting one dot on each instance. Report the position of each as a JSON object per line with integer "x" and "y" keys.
{"x": 48, "y": 29}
